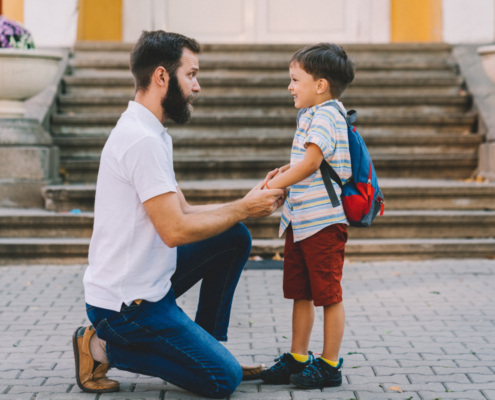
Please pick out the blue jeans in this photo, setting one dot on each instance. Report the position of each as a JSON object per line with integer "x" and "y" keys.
{"x": 159, "y": 339}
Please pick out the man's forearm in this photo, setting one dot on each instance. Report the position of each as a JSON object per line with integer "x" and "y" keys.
{"x": 203, "y": 225}
{"x": 204, "y": 208}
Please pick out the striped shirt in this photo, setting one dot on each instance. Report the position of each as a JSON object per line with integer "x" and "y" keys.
{"x": 308, "y": 207}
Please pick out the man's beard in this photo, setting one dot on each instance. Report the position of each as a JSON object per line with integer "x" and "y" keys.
{"x": 176, "y": 105}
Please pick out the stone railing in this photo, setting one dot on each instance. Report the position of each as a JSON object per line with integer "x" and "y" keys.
{"x": 483, "y": 91}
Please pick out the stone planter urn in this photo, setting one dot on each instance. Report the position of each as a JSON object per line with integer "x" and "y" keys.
{"x": 28, "y": 159}
{"x": 487, "y": 54}
{"x": 23, "y": 74}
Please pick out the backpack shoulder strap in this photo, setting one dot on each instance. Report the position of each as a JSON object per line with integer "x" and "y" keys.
{"x": 327, "y": 172}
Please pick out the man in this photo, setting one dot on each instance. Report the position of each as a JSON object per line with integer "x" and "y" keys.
{"x": 149, "y": 246}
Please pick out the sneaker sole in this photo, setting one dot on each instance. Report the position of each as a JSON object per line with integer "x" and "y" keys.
{"x": 76, "y": 359}
{"x": 303, "y": 386}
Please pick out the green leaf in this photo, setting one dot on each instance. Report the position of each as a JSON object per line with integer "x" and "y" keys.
{"x": 286, "y": 337}
{"x": 473, "y": 352}
{"x": 388, "y": 331}
{"x": 353, "y": 352}
{"x": 356, "y": 367}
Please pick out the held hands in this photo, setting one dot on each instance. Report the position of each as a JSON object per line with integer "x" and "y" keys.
{"x": 261, "y": 203}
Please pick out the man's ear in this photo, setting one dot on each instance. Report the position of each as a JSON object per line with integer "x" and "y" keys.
{"x": 322, "y": 86}
{"x": 161, "y": 77}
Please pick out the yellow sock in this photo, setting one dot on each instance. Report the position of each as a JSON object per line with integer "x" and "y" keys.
{"x": 332, "y": 363}
{"x": 300, "y": 357}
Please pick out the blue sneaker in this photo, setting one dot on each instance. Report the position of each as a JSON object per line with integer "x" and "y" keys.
{"x": 287, "y": 365}
{"x": 318, "y": 375}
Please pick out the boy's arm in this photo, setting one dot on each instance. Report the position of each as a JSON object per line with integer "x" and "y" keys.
{"x": 307, "y": 167}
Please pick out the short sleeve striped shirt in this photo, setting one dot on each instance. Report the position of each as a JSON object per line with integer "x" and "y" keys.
{"x": 308, "y": 207}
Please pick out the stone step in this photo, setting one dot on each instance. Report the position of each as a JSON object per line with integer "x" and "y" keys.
{"x": 250, "y": 97}
{"x": 382, "y": 91}
{"x": 226, "y": 105}
{"x": 228, "y": 79}
{"x": 393, "y": 224}
{"x": 261, "y": 117}
{"x": 439, "y": 166}
{"x": 259, "y": 143}
{"x": 259, "y": 61}
{"x": 27, "y": 251}
{"x": 400, "y": 194}
{"x": 366, "y": 131}
{"x": 394, "y": 48}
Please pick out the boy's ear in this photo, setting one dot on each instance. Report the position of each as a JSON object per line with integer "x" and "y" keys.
{"x": 322, "y": 86}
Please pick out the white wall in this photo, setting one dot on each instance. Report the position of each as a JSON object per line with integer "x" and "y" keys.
{"x": 262, "y": 21}
{"x": 53, "y": 23}
{"x": 468, "y": 21}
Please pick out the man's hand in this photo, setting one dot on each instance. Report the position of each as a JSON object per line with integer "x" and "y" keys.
{"x": 261, "y": 203}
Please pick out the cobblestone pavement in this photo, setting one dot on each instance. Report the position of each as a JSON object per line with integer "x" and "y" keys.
{"x": 426, "y": 327}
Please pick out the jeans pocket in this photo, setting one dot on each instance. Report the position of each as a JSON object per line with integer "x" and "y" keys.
{"x": 90, "y": 308}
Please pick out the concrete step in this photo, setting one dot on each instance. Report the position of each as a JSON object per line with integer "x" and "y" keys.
{"x": 260, "y": 61}
{"x": 400, "y": 194}
{"x": 264, "y": 142}
{"x": 267, "y": 97}
{"x": 27, "y": 251}
{"x": 233, "y": 104}
{"x": 393, "y": 48}
{"x": 257, "y": 117}
{"x": 393, "y": 224}
{"x": 228, "y": 79}
{"x": 433, "y": 166}
{"x": 397, "y": 249}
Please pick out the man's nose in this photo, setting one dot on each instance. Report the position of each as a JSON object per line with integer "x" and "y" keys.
{"x": 196, "y": 88}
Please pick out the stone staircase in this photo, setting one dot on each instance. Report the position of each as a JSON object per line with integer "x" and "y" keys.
{"x": 413, "y": 113}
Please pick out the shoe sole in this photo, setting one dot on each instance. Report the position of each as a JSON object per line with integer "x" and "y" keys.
{"x": 303, "y": 386}
{"x": 76, "y": 359}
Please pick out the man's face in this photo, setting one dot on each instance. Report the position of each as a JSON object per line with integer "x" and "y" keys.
{"x": 183, "y": 88}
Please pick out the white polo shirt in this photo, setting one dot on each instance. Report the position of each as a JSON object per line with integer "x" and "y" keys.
{"x": 127, "y": 258}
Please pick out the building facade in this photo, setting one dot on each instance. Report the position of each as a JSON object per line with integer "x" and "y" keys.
{"x": 62, "y": 22}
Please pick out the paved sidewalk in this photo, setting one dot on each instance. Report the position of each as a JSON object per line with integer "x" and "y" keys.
{"x": 427, "y": 327}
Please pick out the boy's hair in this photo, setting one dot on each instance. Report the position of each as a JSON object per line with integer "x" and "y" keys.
{"x": 158, "y": 49}
{"x": 326, "y": 61}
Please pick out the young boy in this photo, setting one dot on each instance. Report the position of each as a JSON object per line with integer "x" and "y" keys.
{"x": 316, "y": 232}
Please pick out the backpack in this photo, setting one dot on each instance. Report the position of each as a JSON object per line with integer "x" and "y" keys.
{"x": 362, "y": 199}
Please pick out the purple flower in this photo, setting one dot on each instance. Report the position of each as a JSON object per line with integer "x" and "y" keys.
{"x": 14, "y": 35}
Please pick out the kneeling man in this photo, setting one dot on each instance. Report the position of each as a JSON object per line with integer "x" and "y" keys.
{"x": 149, "y": 246}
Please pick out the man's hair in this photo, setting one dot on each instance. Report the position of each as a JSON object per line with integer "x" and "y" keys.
{"x": 326, "y": 61}
{"x": 158, "y": 49}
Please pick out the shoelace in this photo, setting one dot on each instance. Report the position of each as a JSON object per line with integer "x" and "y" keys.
{"x": 312, "y": 369}
{"x": 281, "y": 364}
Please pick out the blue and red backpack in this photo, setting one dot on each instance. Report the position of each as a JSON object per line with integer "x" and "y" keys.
{"x": 362, "y": 199}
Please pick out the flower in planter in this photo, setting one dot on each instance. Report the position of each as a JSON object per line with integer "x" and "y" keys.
{"x": 13, "y": 35}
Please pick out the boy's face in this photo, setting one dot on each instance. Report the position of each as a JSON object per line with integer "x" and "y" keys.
{"x": 305, "y": 90}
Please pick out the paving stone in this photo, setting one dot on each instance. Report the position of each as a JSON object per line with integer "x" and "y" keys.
{"x": 389, "y": 322}
{"x": 282, "y": 395}
{"x": 466, "y": 395}
{"x": 387, "y": 396}
{"x": 29, "y": 389}
{"x": 302, "y": 395}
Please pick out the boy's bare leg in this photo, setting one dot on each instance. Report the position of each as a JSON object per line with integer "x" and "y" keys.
{"x": 333, "y": 328}
{"x": 303, "y": 316}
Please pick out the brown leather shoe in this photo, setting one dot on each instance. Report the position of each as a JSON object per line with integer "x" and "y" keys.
{"x": 251, "y": 372}
{"x": 89, "y": 378}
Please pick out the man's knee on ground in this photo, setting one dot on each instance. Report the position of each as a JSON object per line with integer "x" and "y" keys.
{"x": 232, "y": 379}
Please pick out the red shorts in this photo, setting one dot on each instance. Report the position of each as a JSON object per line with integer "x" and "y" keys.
{"x": 313, "y": 266}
